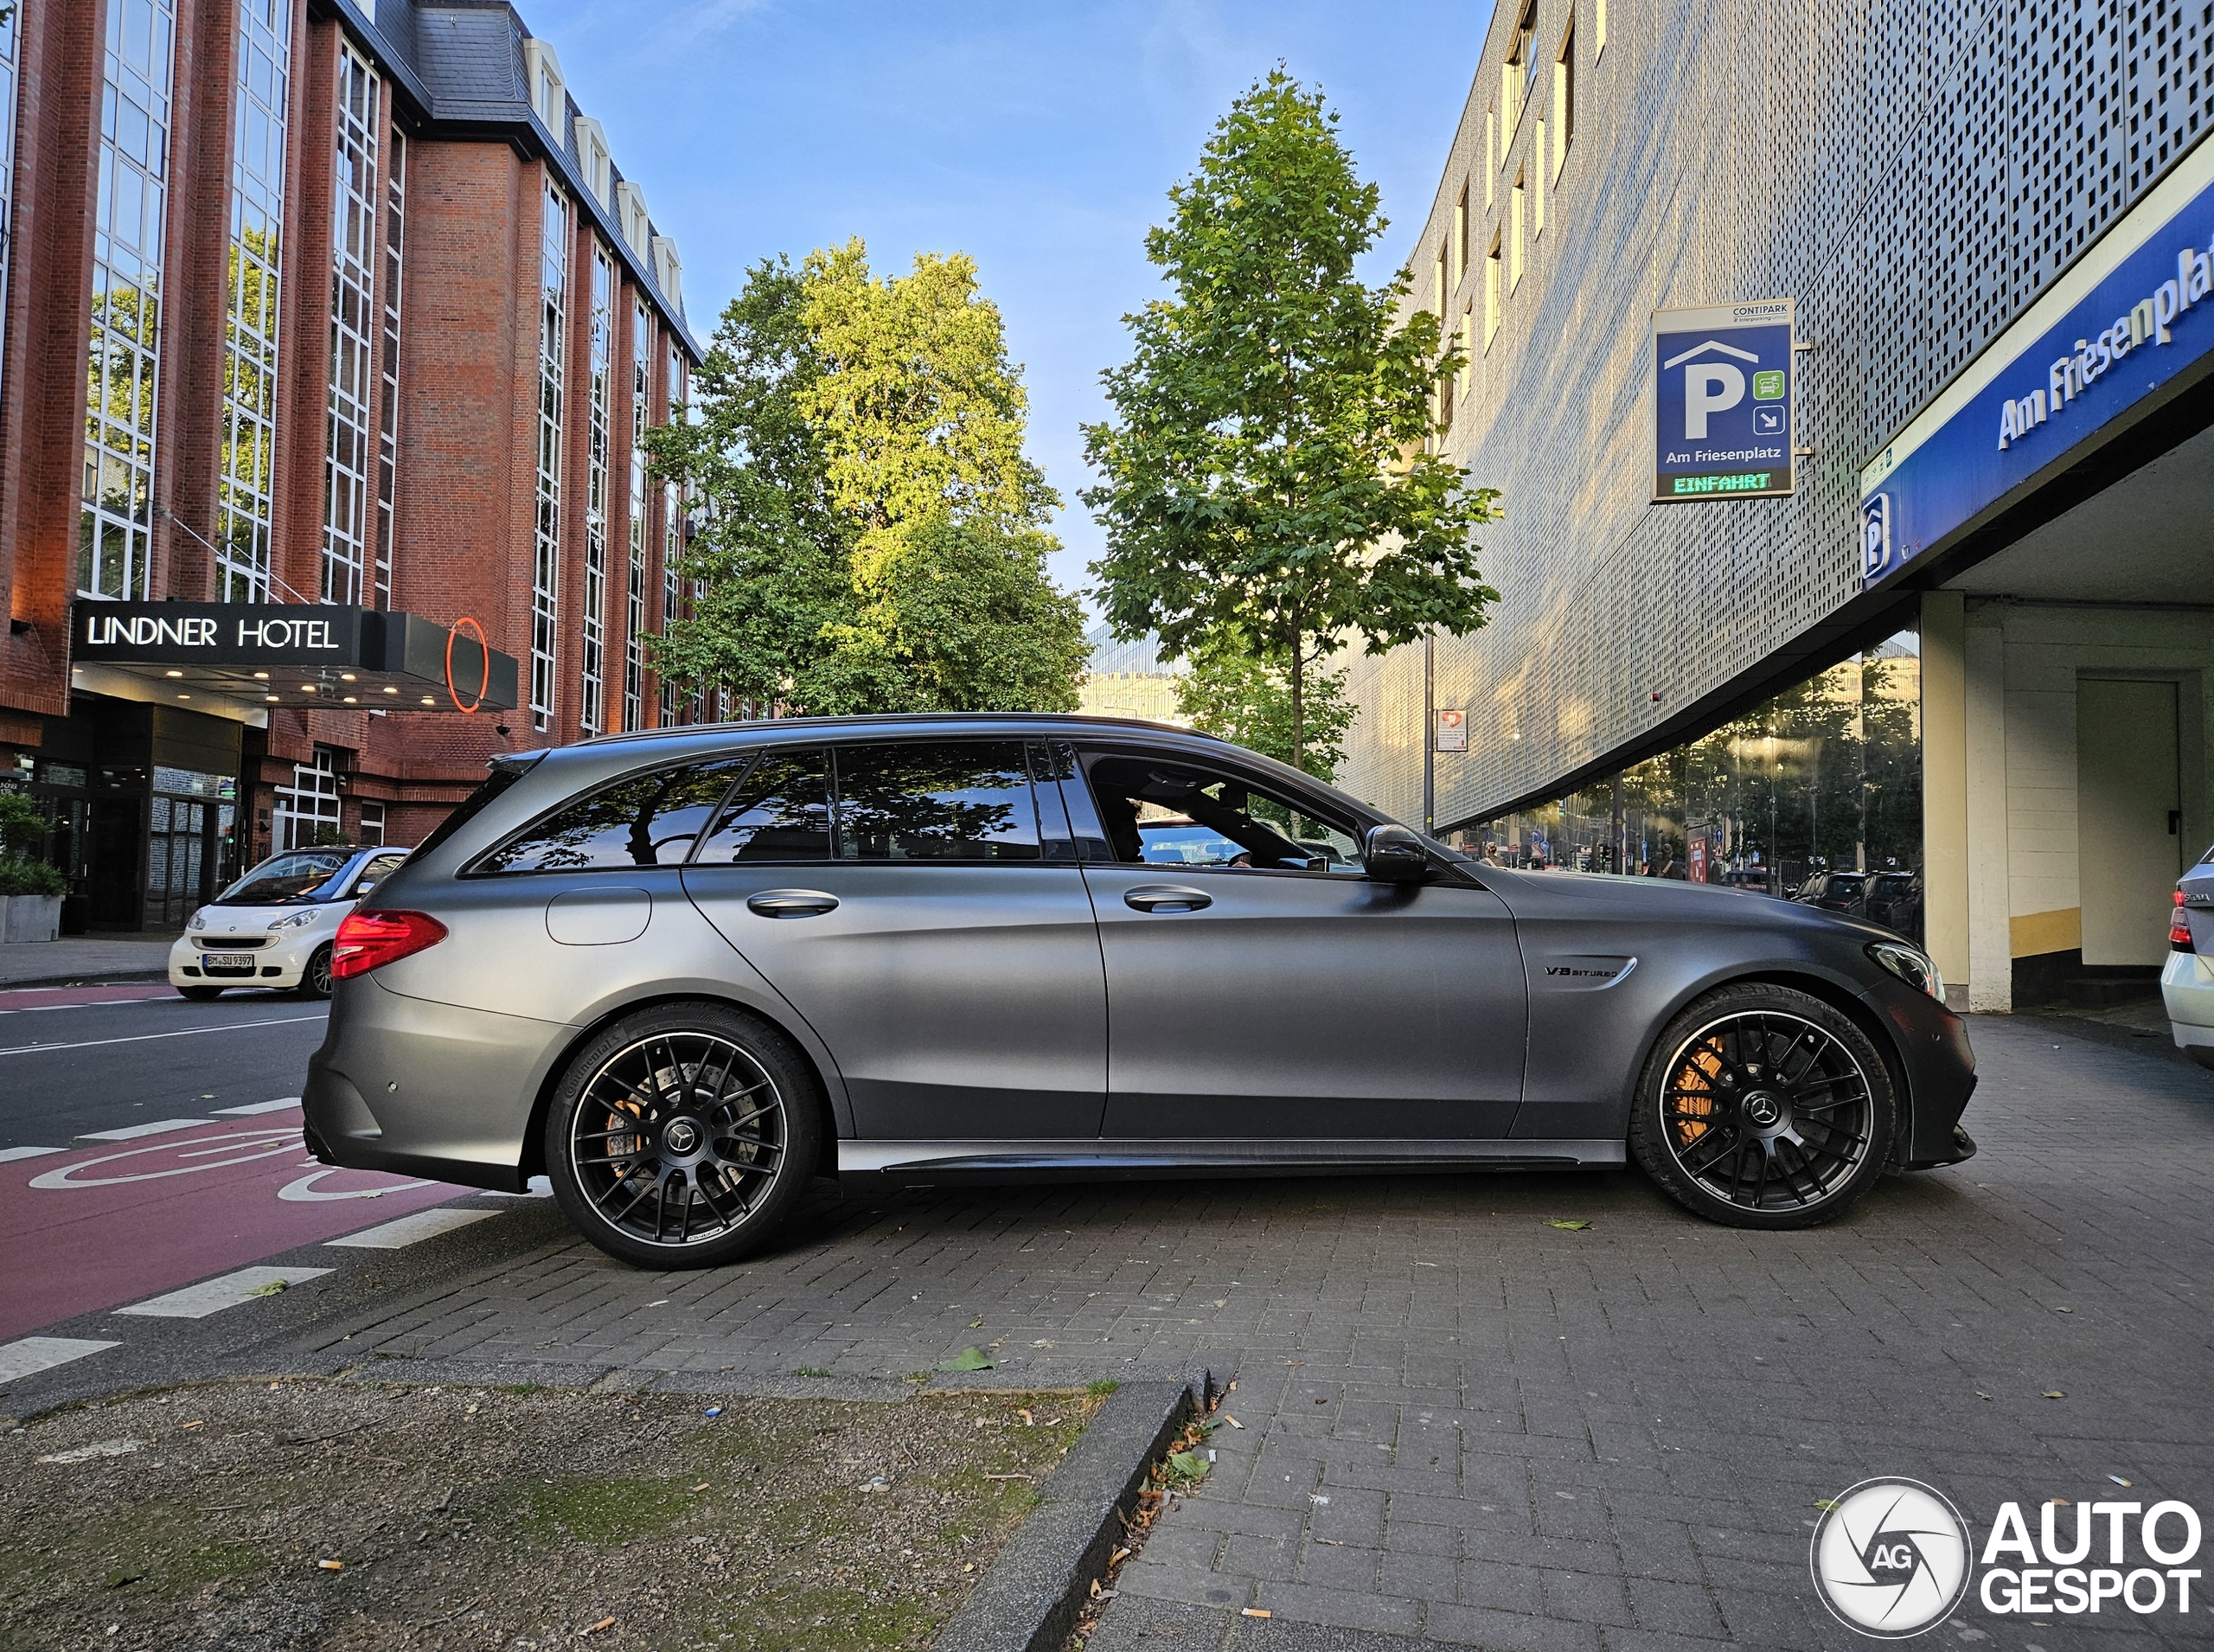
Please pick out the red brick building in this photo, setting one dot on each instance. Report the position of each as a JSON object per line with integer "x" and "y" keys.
{"x": 336, "y": 307}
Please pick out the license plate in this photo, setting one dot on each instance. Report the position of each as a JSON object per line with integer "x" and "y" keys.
{"x": 227, "y": 960}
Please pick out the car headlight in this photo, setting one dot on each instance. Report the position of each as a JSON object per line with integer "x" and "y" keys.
{"x": 1910, "y": 964}
{"x": 199, "y": 919}
{"x": 294, "y": 919}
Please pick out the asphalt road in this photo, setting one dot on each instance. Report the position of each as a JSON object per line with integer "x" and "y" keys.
{"x": 147, "y": 1143}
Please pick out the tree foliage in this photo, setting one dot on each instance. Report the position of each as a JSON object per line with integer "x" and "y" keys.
{"x": 871, "y": 536}
{"x": 1230, "y": 692}
{"x": 1264, "y": 476}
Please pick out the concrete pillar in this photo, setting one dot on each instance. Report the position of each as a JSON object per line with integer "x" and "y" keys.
{"x": 1990, "y": 953}
{"x": 1944, "y": 791}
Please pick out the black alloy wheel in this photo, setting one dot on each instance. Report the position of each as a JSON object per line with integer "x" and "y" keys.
{"x": 680, "y": 1137}
{"x": 315, "y": 980}
{"x": 1764, "y": 1107}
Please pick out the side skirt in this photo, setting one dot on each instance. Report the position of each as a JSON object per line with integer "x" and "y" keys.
{"x": 1094, "y": 1158}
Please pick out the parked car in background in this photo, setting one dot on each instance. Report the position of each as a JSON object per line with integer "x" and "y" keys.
{"x": 275, "y": 926}
{"x": 1844, "y": 891}
{"x": 1895, "y": 901}
{"x": 681, "y": 973}
{"x": 2187, "y": 982}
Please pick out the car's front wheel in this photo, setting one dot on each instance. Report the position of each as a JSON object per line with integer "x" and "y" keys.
{"x": 315, "y": 980}
{"x": 1764, "y": 1106}
{"x": 682, "y": 1136}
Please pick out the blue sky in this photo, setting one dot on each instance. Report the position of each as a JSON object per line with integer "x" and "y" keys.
{"x": 1041, "y": 139}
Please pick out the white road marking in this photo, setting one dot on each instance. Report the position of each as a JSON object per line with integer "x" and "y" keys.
{"x": 305, "y": 1192}
{"x": 276, "y": 1106}
{"x": 538, "y": 1188}
{"x": 213, "y": 1296}
{"x": 9, "y": 1154}
{"x": 132, "y": 1132}
{"x": 141, "y": 1038}
{"x": 236, "y": 1147}
{"x": 29, "y": 1355}
{"x": 411, "y": 1230}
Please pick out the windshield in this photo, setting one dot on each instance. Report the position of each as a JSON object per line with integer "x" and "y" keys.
{"x": 286, "y": 880}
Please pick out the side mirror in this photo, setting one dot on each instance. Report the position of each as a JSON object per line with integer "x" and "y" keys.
{"x": 1394, "y": 854}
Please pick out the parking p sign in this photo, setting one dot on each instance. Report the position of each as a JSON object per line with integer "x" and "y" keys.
{"x": 1722, "y": 401}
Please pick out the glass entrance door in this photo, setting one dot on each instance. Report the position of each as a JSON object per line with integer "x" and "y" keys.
{"x": 175, "y": 850}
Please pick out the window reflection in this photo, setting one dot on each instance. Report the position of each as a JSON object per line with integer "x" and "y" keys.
{"x": 780, "y": 812}
{"x": 1814, "y": 796}
{"x": 936, "y": 800}
{"x": 648, "y": 819}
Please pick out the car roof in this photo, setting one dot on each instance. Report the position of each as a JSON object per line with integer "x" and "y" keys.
{"x": 1032, "y": 721}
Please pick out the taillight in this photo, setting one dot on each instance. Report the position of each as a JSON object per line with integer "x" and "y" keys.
{"x": 368, "y": 940}
{"x": 2179, "y": 929}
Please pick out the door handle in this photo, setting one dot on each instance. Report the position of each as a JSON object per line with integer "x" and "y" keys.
{"x": 1161, "y": 897}
{"x": 791, "y": 903}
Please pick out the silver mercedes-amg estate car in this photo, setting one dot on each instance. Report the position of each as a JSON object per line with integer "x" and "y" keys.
{"x": 681, "y": 973}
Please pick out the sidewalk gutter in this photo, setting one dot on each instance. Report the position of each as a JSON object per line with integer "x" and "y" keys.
{"x": 1029, "y": 1599}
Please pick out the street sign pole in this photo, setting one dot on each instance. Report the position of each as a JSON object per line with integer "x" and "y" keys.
{"x": 1430, "y": 733}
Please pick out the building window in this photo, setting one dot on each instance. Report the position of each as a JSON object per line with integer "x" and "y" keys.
{"x": 307, "y": 810}
{"x": 1521, "y": 68}
{"x": 1537, "y": 180}
{"x": 246, "y": 510}
{"x": 1491, "y": 293}
{"x": 1564, "y": 98}
{"x": 1491, "y": 157}
{"x": 601, "y": 391}
{"x": 121, "y": 413}
{"x": 350, "y": 455}
{"x": 634, "y": 634}
{"x": 672, "y": 556}
{"x": 1599, "y": 27}
{"x": 371, "y": 834}
{"x": 1514, "y": 234}
{"x": 1468, "y": 351}
{"x": 395, "y": 241}
{"x": 552, "y": 335}
{"x": 8, "y": 70}
{"x": 1460, "y": 237}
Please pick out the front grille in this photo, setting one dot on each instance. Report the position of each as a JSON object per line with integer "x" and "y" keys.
{"x": 229, "y": 942}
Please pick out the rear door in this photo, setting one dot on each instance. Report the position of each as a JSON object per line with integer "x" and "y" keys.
{"x": 1260, "y": 986}
{"x": 900, "y": 896}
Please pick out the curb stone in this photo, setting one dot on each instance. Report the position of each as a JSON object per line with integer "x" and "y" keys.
{"x": 1028, "y": 1600}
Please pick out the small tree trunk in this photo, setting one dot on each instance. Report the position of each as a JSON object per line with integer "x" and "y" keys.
{"x": 1298, "y": 705}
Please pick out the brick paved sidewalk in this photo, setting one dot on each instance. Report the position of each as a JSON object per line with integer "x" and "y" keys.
{"x": 1462, "y": 1424}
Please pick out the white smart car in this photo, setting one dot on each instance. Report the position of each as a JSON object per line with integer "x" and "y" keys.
{"x": 2187, "y": 983}
{"x": 273, "y": 927}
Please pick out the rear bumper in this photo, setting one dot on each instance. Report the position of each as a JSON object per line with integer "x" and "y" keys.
{"x": 426, "y": 1088}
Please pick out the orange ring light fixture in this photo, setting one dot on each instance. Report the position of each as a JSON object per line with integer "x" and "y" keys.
{"x": 484, "y": 654}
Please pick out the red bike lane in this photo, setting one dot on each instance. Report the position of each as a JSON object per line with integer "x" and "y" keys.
{"x": 101, "y": 1227}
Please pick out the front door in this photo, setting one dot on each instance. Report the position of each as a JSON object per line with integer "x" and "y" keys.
{"x": 2128, "y": 816}
{"x": 898, "y": 896}
{"x": 1259, "y": 986}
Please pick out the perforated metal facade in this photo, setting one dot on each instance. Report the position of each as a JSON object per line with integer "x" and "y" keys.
{"x": 1914, "y": 173}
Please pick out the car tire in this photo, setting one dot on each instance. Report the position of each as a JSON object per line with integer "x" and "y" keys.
{"x": 201, "y": 995}
{"x": 682, "y": 1136}
{"x": 315, "y": 980}
{"x": 1762, "y": 1106}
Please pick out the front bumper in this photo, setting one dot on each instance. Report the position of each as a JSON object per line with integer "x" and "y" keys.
{"x": 282, "y": 964}
{"x": 1933, "y": 1046}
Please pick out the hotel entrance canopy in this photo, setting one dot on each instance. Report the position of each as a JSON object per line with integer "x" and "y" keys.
{"x": 300, "y": 656}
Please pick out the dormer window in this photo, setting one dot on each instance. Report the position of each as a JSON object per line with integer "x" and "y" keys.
{"x": 630, "y": 213}
{"x": 668, "y": 271}
{"x": 550, "y": 91}
{"x": 592, "y": 157}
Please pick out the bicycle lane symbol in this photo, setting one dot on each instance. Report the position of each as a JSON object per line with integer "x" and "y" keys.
{"x": 204, "y": 1152}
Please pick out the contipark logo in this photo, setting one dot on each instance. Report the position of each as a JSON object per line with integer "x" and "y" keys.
{"x": 1892, "y": 1558}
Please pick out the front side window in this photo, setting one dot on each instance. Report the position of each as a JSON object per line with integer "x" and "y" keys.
{"x": 647, "y": 819}
{"x": 1158, "y": 813}
{"x": 936, "y": 800}
{"x": 780, "y": 812}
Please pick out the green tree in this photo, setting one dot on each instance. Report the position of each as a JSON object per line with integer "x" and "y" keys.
{"x": 872, "y": 535}
{"x": 1229, "y": 692}
{"x": 1264, "y": 474}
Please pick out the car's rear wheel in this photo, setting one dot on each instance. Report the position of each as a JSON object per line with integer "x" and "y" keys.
{"x": 1762, "y": 1106}
{"x": 682, "y": 1136}
{"x": 200, "y": 995}
{"x": 315, "y": 980}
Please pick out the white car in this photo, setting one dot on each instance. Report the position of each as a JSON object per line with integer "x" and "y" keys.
{"x": 274, "y": 927}
{"x": 2187, "y": 983}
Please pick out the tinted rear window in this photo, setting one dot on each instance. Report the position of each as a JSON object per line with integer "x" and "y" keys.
{"x": 780, "y": 812}
{"x": 647, "y": 819}
{"x": 936, "y": 800}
